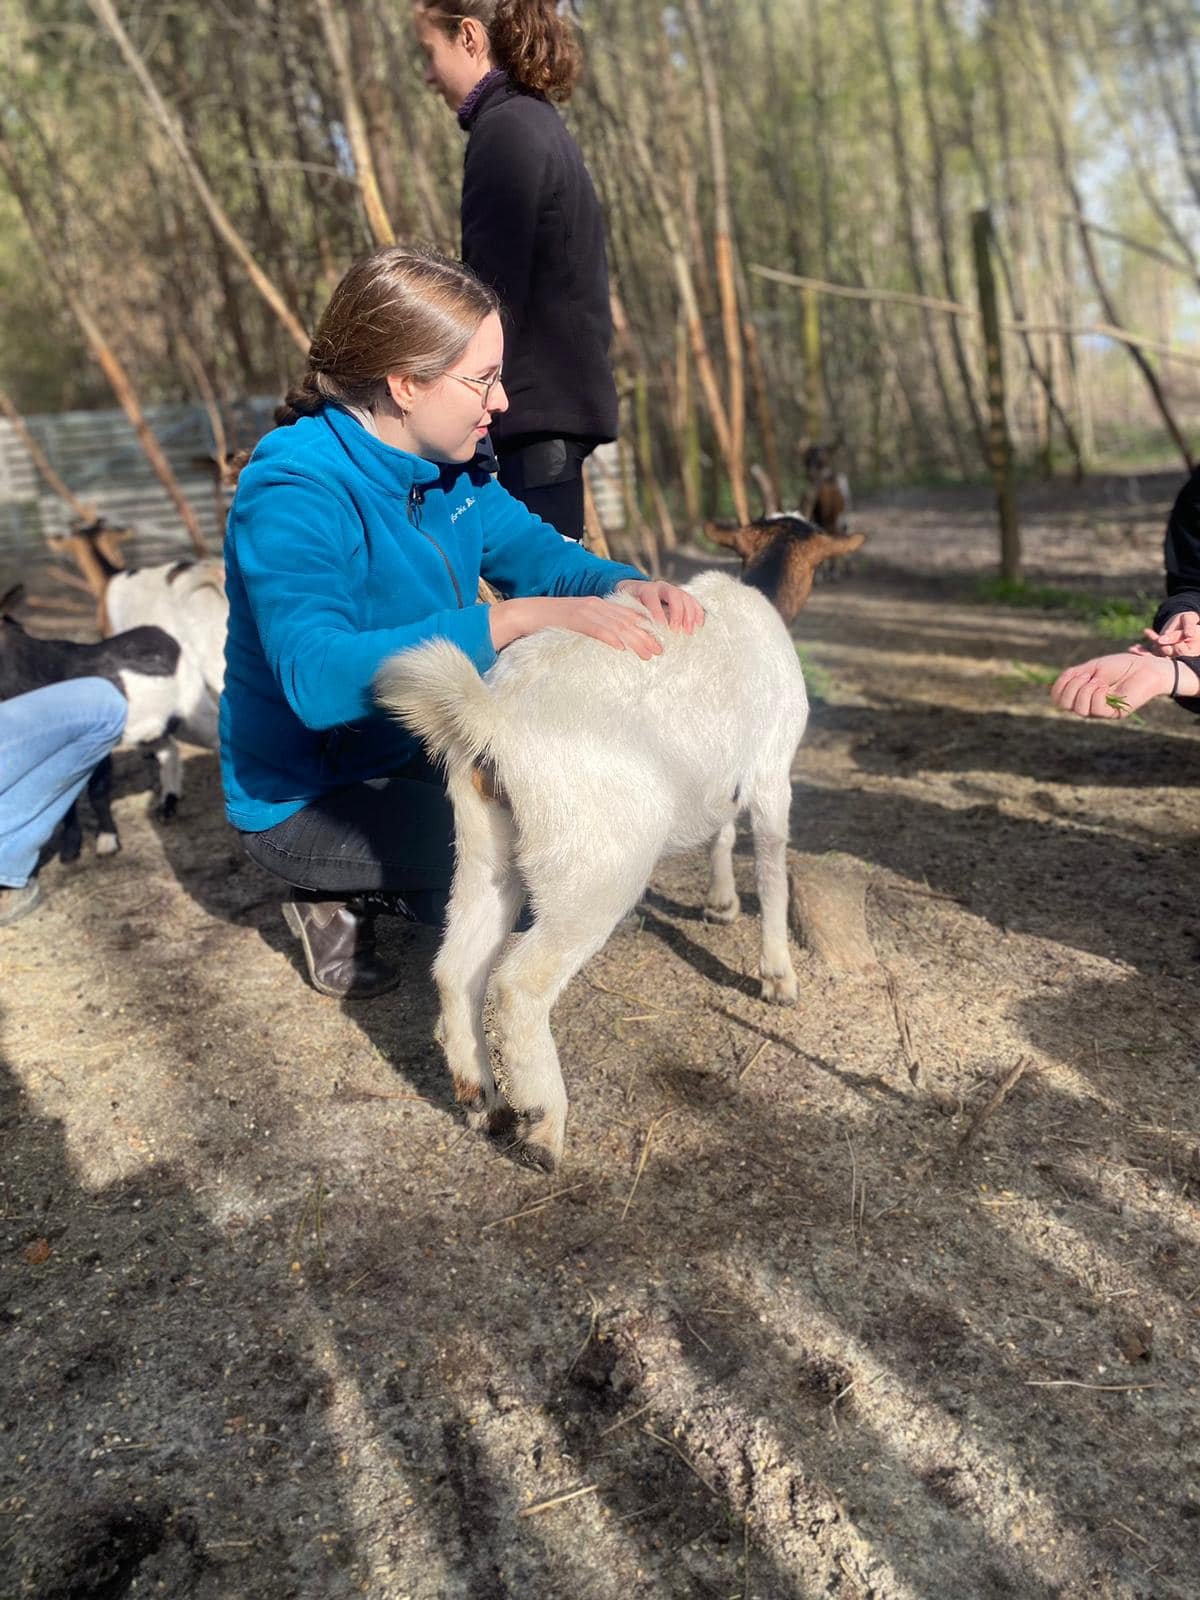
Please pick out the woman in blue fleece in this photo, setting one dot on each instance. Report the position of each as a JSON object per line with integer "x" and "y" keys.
{"x": 362, "y": 526}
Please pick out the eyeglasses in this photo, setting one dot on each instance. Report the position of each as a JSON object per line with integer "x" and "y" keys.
{"x": 483, "y": 387}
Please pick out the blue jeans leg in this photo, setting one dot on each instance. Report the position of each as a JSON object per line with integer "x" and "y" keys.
{"x": 50, "y": 740}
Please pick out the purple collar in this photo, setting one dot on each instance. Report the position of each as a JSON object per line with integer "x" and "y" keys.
{"x": 466, "y": 110}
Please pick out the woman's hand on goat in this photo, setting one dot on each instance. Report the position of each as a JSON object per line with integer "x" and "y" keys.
{"x": 675, "y": 608}
{"x": 1114, "y": 686}
{"x": 621, "y": 627}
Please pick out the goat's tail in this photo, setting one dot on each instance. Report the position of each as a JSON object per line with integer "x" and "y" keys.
{"x": 437, "y": 693}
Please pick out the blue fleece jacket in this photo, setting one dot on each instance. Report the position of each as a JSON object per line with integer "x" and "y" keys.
{"x": 340, "y": 551}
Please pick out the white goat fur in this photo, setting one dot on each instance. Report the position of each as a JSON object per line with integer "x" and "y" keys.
{"x": 193, "y": 609}
{"x": 604, "y": 763}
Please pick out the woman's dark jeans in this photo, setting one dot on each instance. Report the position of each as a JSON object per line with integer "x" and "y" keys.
{"x": 388, "y": 836}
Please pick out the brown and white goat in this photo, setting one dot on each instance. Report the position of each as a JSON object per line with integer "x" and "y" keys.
{"x": 780, "y": 555}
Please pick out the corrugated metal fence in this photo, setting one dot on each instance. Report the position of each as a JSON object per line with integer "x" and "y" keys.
{"x": 98, "y": 457}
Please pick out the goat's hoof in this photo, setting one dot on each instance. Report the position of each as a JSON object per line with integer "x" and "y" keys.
{"x": 728, "y": 912}
{"x": 537, "y": 1157}
{"x": 69, "y": 855}
{"x": 167, "y": 807}
{"x": 529, "y": 1137}
{"x": 783, "y": 990}
{"x": 107, "y": 844}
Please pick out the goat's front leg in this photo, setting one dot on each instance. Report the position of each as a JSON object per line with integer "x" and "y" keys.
{"x": 71, "y": 839}
{"x": 769, "y": 817}
{"x": 170, "y": 776}
{"x": 484, "y": 902}
{"x": 721, "y": 903}
{"x": 99, "y": 791}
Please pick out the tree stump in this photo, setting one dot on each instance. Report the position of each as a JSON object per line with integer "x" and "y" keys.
{"x": 828, "y": 904}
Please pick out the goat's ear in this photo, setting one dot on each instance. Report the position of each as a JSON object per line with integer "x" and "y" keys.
{"x": 824, "y": 545}
{"x": 11, "y": 598}
{"x": 718, "y": 534}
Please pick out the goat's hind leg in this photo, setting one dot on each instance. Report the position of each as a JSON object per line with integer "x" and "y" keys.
{"x": 579, "y": 904}
{"x": 769, "y": 806}
{"x": 484, "y": 902}
{"x": 721, "y": 903}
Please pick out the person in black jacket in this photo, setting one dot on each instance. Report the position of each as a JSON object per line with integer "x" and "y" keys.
{"x": 1168, "y": 663}
{"x": 532, "y": 228}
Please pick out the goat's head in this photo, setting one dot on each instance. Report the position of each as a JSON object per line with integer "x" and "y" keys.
{"x": 101, "y": 536}
{"x": 780, "y": 554}
{"x": 818, "y": 461}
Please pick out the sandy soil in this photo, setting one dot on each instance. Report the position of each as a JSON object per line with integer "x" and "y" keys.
{"x": 789, "y": 1322}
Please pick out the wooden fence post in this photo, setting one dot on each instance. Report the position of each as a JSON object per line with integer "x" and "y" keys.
{"x": 999, "y": 446}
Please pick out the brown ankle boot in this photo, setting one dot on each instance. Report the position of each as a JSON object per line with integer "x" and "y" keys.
{"x": 339, "y": 948}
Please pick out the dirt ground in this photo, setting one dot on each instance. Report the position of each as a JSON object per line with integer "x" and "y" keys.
{"x": 273, "y": 1325}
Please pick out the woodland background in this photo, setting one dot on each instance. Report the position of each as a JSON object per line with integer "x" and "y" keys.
{"x": 181, "y": 185}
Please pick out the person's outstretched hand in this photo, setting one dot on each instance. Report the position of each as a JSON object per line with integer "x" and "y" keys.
{"x": 1179, "y": 636}
{"x": 1113, "y": 686}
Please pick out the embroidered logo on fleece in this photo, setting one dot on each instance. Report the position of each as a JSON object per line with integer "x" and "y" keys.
{"x": 466, "y": 506}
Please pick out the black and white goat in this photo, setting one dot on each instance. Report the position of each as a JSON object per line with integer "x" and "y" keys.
{"x": 145, "y": 664}
{"x": 187, "y": 600}
{"x": 572, "y": 768}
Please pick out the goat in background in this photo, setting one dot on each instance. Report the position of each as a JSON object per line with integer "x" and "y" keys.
{"x": 145, "y": 664}
{"x": 781, "y": 553}
{"x": 184, "y": 598}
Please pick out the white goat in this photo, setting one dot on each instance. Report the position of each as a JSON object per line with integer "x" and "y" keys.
{"x": 572, "y": 768}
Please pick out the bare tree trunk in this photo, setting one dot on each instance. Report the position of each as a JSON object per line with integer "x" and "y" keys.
{"x": 216, "y": 422}
{"x": 1067, "y": 178}
{"x": 685, "y": 283}
{"x": 941, "y": 212}
{"x": 686, "y": 432}
{"x": 1013, "y": 275}
{"x": 353, "y": 121}
{"x": 908, "y": 216}
{"x": 436, "y": 221}
{"x": 378, "y": 110}
{"x": 110, "y": 365}
{"x": 726, "y": 277}
{"x": 762, "y": 391}
{"x": 107, "y": 15}
{"x": 85, "y": 513}
{"x": 1101, "y": 74}
{"x": 1187, "y": 141}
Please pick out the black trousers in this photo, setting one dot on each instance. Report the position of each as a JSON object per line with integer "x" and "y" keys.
{"x": 545, "y": 473}
{"x": 392, "y": 835}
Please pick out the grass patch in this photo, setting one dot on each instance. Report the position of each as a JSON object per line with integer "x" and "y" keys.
{"x": 816, "y": 679}
{"x": 1110, "y": 617}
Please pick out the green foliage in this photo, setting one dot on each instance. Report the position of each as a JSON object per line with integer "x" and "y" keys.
{"x": 1109, "y": 617}
{"x": 817, "y": 679}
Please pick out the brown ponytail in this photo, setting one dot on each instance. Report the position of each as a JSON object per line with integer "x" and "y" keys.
{"x": 403, "y": 309}
{"x": 530, "y": 39}
{"x": 303, "y": 399}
